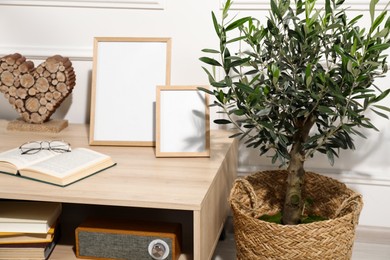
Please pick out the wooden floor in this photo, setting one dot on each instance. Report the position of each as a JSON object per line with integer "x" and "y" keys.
{"x": 371, "y": 244}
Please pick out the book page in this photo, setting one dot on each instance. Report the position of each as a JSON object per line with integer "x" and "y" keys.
{"x": 18, "y": 160}
{"x": 65, "y": 164}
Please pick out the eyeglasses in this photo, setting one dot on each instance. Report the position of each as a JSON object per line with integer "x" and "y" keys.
{"x": 34, "y": 147}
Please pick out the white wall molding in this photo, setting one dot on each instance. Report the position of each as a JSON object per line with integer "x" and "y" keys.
{"x": 265, "y": 4}
{"x": 42, "y": 53}
{"x": 129, "y": 4}
{"x": 348, "y": 177}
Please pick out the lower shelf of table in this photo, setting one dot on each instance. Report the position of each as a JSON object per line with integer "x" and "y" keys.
{"x": 67, "y": 252}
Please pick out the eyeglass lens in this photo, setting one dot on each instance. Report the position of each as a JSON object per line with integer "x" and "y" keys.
{"x": 59, "y": 146}
{"x": 31, "y": 147}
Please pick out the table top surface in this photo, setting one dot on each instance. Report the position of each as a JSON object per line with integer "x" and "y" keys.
{"x": 138, "y": 180}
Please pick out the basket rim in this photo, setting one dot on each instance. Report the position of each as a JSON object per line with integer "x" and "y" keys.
{"x": 353, "y": 214}
{"x": 297, "y": 226}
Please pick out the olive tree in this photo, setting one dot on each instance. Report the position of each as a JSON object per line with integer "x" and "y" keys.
{"x": 301, "y": 82}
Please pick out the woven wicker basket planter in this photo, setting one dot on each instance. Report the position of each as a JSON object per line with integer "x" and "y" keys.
{"x": 263, "y": 193}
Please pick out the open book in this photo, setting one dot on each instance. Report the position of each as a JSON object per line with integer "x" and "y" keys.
{"x": 55, "y": 168}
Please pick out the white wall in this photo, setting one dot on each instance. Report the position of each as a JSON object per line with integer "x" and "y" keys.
{"x": 37, "y": 31}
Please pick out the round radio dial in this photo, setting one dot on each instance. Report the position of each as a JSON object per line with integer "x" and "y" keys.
{"x": 158, "y": 249}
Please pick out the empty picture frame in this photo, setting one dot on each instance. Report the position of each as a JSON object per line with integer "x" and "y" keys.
{"x": 125, "y": 74}
{"x": 183, "y": 124}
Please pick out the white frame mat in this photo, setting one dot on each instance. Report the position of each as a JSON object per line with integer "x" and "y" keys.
{"x": 183, "y": 122}
{"x": 125, "y": 74}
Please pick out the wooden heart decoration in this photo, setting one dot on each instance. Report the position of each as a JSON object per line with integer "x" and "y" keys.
{"x": 36, "y": 92}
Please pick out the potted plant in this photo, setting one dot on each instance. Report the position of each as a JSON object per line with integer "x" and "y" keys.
{"x": 301, "y": 83}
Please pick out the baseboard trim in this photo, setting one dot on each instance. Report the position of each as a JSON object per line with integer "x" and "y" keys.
{"x": 373, "y": 235}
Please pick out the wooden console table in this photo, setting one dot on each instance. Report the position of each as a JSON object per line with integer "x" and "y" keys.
{"x": 140, "y": 181}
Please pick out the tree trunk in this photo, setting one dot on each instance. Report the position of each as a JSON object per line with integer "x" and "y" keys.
{"x": 293, "y": 203}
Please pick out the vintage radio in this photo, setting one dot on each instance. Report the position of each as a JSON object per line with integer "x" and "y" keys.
{"x": 121, "y": 239}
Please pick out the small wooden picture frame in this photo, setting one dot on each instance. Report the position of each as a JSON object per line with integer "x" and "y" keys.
{"x": 183, "y": 122}
{"x": 125, "y": 74}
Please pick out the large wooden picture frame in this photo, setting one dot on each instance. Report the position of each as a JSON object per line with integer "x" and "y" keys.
{"x": 125, "y": 74}
{"x": 183, "y": 122}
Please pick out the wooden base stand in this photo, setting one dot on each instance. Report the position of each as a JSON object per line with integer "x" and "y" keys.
{"x": 51, "y": 126}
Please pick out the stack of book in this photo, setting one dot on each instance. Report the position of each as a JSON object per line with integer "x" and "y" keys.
{"x": 28, "y": 230}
